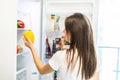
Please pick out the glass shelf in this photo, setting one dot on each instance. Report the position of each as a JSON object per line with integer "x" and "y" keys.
{"x": 21, "y": 60}
{"x": 21, "y": 74}
{"x": 23, "y": 53}
{"x": 21, "y": 70}
{"x": 22, "y": 29}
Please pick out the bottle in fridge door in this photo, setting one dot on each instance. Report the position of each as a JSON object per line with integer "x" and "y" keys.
{"x": 53, "y": 47}
{"x": 52, "y": 20}
{"x": 48, "y": 53}
{"x": 56, "y": 26}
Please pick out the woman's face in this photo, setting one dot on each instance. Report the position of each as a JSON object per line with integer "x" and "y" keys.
{"x": 66, "y": 35}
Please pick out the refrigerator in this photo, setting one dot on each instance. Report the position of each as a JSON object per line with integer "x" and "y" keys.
{"x": 37, "y": 16}
{"x": 28, "y": 12}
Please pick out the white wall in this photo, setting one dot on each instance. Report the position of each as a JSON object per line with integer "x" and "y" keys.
{"x": 7, "y": 39}
{"x": 109, "y": 23}
{"x": 108, "y": 36}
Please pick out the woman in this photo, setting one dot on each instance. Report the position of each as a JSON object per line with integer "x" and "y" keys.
{"x": 78, "y": 62}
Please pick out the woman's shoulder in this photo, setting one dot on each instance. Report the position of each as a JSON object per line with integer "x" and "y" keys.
{"x": 57, "y": 59}
{"x": 59, "y": 54}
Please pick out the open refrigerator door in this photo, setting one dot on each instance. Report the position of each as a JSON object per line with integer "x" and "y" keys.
{"x": 53, "y": 17}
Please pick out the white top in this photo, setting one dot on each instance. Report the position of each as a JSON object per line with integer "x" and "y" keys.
{"x": 58, "y": 63}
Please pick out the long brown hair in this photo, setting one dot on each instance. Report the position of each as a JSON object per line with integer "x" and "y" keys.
{"x": 81, "y": 40}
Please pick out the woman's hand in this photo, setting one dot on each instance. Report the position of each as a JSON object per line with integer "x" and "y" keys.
{"x": 27, "y": 42}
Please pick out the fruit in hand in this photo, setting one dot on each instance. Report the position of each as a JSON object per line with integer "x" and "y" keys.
{"x": 30, "y": 35}
{"x": 20, "y": 24}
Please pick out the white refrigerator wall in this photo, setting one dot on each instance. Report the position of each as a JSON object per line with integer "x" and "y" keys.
{"x": 29, "y": 11}
{"x": 64, "y": 8}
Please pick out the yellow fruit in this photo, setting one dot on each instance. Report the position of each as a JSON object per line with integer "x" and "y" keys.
{"x": 30, "y": 35}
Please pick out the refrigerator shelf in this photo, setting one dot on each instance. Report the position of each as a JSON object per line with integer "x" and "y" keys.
{"x": 21, "y": 70}
{"x": 21, "y": 74}
{"x": 21, "y": 60}
{"x": 23, "y": 53}
{"x": 22, "y": 29}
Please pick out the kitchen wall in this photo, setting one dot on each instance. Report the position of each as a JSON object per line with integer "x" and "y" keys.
{"x": 8, "y": 39}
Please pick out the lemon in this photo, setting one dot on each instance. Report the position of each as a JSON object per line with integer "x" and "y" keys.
{"x": 30, "y": 35}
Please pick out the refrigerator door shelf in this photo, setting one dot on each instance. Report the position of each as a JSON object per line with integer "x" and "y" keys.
{"x": 22, "y": 74}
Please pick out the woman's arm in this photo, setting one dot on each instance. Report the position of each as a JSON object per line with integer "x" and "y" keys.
{"x": 43, "y": 69}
